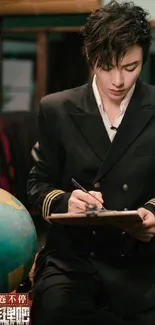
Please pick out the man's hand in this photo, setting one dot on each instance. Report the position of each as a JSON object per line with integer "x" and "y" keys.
{"x": 144, "y": 231}
{"x": 80, "y": 201}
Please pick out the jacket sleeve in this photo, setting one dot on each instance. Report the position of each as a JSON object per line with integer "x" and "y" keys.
{"x": 44, "y": 184}
{"x": 150, "y": 205}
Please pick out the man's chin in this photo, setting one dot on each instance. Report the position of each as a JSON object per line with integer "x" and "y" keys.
{"x": 117, "y": 96}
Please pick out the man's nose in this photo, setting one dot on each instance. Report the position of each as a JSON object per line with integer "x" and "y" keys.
{"x": 117, "y": 79}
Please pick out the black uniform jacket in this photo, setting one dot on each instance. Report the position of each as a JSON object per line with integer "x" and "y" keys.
{"x": 73, "y": 142}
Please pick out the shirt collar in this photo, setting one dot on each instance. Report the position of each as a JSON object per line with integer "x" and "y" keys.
{"x": 124, "y": 103}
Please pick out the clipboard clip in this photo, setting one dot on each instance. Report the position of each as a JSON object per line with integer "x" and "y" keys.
{"x": 91, "y": 212}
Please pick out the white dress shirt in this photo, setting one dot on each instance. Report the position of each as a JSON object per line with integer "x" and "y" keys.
{"x": 119, "y": 117}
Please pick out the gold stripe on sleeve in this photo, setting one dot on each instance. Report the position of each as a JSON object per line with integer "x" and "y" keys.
{"x": 48, "y": 200}
{"x": 152, "y": 201}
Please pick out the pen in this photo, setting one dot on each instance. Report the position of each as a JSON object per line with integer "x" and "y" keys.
{"x": 80, "y": 187}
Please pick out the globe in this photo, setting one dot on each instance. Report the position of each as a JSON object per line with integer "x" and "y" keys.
{"x": 18, "y": 242}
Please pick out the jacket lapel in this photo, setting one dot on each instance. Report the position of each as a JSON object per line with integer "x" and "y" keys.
{"x": 90, "y": 124}
{"x": 137, "y": 116}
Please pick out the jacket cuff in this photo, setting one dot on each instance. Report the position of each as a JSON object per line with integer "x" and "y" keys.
{"x": 60, "y": 203}
{"x": 55, "y": 202}
{"x": 150, "y": 205}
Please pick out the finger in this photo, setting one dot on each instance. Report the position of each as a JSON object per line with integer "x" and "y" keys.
{"x": 142, "y": 213}
{"x": 144, "y": 238}
{"x": 97, "y": 198}
{"x": 78, "y": 210}
{"x": 82, "y": 196}
{"x": 141, "y": 232}
{"x": 96, "y": 206}
{"x": 146, "y": 215}
{"x": 92, "y": 206}
{"x": 149, "y": 222}
{"x": 147, "y": 237}
{"x": 92, "y": 202}
{"x": 87, "y": 198}
{"x": 75, "y": 204}
{"x": 150, "y": 230}
{"x": 98, "y": 195}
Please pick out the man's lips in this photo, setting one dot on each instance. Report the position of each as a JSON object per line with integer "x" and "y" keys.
{"x": 117, "y": 91}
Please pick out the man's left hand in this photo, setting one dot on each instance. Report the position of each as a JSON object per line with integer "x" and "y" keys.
{"x": 144, "y": 231}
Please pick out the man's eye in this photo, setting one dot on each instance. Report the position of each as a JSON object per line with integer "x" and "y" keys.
{"x": 107, "y": 68}
{"x": 130, "y": 70}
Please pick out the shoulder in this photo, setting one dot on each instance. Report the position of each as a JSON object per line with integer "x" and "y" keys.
{"x": 62, "y": 101}
{"x": 149, "y": 91}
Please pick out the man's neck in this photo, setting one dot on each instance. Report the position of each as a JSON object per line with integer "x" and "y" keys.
{"x": 111, "y": 107}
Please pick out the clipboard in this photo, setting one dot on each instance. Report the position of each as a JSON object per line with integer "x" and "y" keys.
{"x": 93, "y": 217}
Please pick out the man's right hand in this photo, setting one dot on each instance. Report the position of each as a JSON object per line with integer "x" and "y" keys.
{"x": 80, "y": 201}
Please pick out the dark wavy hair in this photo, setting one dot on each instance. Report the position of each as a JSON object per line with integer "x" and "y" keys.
{"x": 110, "y": 30}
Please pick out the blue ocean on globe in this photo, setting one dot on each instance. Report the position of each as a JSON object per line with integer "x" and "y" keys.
{"x": 18, "y": 242}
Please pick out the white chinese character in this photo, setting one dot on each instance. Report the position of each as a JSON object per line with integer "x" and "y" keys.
{"x": 11, "y": 315}
{"x": 2, "y": 299}
{"x": 12, "y": 298}
{"x": 19, "y": 315}
{"x": 3, "y": 319}
{"x": 2, "y": 312}
{"x": 26, "y": 315}
{"x": 21, "y": 299}
{"x": 22, "y": 315}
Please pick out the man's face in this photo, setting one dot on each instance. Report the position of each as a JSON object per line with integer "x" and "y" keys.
{"x": 115, "y": 83}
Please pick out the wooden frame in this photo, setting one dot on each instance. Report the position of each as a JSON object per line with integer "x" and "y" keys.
{"x": 41, "y": 66}
{"x": 40, "y": 7}
{"x": 35, "y": 30}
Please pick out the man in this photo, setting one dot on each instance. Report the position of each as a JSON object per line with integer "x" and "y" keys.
{"x": 102, "y": 135}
